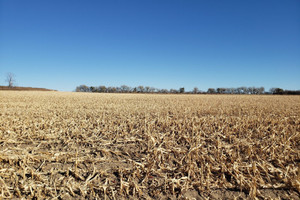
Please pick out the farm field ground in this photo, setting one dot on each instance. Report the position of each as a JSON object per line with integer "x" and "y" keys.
{"x": 67, "y": 145}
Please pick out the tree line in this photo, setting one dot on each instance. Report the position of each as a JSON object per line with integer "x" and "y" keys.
{"x": 148, "y": 89}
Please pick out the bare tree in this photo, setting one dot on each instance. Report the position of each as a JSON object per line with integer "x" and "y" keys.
{"x": 181, "y": 90}
{"x": 165, "y": 91}
{"x": 141, "y": 89}
{"x": 173, "y": 91}
{"x": 102, "y": 88}
{"x": 10, "y": 79}
{"x": 211, "y": 91}
{"x": 125, "y": 88}
{"x": 244, "y": 90}
{"x": 82, "y": 88}
{"x": 147, "y": 89}
{"x": 221, "y": 90}
{"x": 261, "y": 90}
{"x": 152, "y": 89}
{"x": 195, "y": 90}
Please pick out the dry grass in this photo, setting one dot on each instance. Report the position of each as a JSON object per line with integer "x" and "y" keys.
{"x": 120, "y": 146}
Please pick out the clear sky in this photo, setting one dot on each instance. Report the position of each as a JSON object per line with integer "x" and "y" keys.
{"x": 60, "y": 44}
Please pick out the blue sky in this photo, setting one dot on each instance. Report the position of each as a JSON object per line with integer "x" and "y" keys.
{"x": 60, "y": 44}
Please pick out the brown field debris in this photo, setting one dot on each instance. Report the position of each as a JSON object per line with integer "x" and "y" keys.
{"x": 139, "y": 146}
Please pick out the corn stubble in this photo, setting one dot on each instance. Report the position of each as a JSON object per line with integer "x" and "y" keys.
{"x": 120, "y": 146}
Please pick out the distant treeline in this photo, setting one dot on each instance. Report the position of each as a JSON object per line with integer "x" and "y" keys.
{"x": 148, "y": 89}
{"x": 24, "y": 88}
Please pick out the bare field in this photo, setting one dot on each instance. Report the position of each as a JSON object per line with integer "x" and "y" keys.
{"x": 148, "y": 146}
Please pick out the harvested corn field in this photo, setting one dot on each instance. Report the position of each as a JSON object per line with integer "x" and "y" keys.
{"x": 148, "y": 146}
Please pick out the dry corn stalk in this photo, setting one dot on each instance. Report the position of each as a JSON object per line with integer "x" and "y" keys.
{"x": 116, "y": 146}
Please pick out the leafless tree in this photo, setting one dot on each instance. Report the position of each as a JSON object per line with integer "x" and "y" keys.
{"x": 181, "y": 90}
{"x": 173, "y": 91}
{"x": 125, "y": 88}
{"x": 141, "y": 89}
{"x": 10, "y": 79}
{"x": 211, "y": 91}
{"x": 152, "y": 89}
{"x": 195, "y": 90}
{"x": 147, "y": 89}
{"x": 82, "y": 88}
{"x": 261, "y": 90}
{"x": 102, "y": 88}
